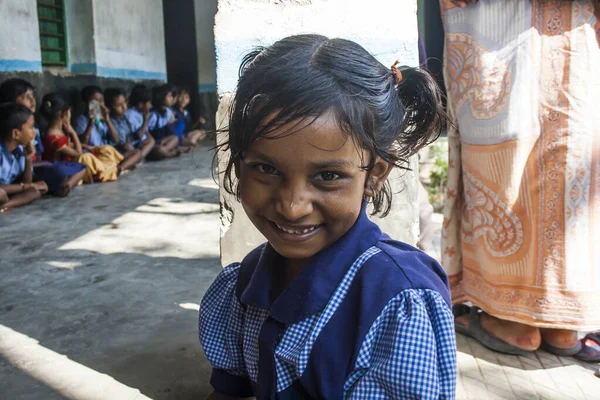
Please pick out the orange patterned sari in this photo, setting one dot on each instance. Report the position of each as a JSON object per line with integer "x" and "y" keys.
{"x": 521, "y": 235}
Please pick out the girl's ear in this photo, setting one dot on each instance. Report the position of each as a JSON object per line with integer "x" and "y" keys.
{"x": 16, "y": 133}
{"x": 377, "y": 177}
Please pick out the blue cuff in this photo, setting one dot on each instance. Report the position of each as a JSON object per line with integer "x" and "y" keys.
{"x": 231, "y": 385}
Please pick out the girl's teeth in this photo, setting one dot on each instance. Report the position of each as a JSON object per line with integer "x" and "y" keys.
{"x": 297, "y": 232}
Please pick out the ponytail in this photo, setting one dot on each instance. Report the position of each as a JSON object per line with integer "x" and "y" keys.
{"x": 52, "y": 107}
{"x": 424, "y": 116}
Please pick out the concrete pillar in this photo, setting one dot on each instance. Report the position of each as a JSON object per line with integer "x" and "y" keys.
{"x": 387, "y": 28}
{"x": 205, "y": 42}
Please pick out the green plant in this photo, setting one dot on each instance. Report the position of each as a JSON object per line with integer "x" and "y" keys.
{"x": 438, "y": 178}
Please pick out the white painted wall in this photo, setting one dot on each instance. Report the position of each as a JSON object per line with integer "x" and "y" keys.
{"x": 387, "y": 28}
{"x": 19, "y": 36}
{"x": 80, "y": 35}
{"x": 205, "y": 42}
{"x": 130, "y": 39}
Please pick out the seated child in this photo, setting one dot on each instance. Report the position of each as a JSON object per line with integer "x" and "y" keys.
{"x": 60, "y": 177}
{"x": 116, "y": 102}
{"x": 94, "y": 132}
{"x": 192, "y": 136}
{"x": 61, "y": 143}
{"x": 330, "y": 307}
{"x": 162, "y": 123}
{"x": 138, "y": 114}
{"x": 17, "y": 132}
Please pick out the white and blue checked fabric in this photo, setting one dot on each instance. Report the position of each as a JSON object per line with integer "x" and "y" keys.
{"x": 408, "y": 353}
{"x": 220, "y": 324}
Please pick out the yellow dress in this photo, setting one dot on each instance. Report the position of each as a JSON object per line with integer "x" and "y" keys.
{"x": 102, "y": 164}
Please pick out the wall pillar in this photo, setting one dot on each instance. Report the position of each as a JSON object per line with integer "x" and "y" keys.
{"x": 387, "y": 28}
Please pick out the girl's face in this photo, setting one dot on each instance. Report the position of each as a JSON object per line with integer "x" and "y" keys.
{"x": 183, "y": 99}
{"x": 304, "y": 191}
{"x": 27, "y": 99}
{"x": 119, "y": 106}
{"x": 66, "y": 116}
{"x": 169, "y": 100}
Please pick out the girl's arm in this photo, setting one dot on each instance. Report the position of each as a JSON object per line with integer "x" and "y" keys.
{"x": 28, "y": 173}
{"x": 140, "y": 133}
{"x": 88, "y": 147}
{"x": 111, "y": 128}
{"x": 16, "y": 188}
{"x": 85, "y": 138}
{"x": 198, "y": 124}
{"x": 74, "y": 138}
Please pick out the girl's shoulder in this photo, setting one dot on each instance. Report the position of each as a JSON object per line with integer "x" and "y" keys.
{"x": 396, "y": 266}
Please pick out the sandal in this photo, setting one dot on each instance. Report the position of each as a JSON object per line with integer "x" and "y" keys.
{"x": 561, "y": 351}
{"x": 475, "y": 331}
{"x": 590, "y": 351}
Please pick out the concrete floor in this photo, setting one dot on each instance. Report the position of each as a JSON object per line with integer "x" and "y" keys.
{"x": 99, "y": 295}
{"x": 110, "y": 278}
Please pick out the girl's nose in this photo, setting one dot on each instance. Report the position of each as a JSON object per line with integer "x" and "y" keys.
{"x": 294, "y": 203}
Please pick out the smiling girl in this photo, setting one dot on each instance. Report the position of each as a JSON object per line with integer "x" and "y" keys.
{"x": 330, "y": 307}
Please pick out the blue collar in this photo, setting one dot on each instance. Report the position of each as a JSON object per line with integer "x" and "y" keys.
{"x": 312, "y": 289}
{"x": 18, "y": 152}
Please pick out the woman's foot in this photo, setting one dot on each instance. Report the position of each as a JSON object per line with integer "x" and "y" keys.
{"x": 522, "y": 336}
{"x": 561, "y": 338}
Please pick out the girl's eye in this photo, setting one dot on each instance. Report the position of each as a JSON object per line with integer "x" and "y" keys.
{"x": 328, "y": 176}
{"x": 266, "y": 169}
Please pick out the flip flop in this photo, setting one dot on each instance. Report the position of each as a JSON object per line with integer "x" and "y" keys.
{"x": 475, "y": 331}
{"x": 590, "y": 352}
{"x": 561, "y": 351}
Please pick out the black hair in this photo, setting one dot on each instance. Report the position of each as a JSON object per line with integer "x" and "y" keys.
{"x": 139, "y": 94}
{"x": 160, "y": 92}
{"x": 52, "y": 107}
{"x": 303, "y": 77}
{"x": 111, "y": 94}
{"x": 88, "y": 91}
{"x": 13, "y": 88}
{"x": 12, "y": 116}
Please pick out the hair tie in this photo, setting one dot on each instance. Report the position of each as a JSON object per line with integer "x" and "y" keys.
{"x": 48, "y": 103}
{"x": 397, "y": 73}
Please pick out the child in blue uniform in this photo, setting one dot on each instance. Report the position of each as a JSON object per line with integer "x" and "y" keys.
{"x": 60, "y": 177}
{"x": 330, "y": 307}
{"x": 132, "y": 139}
{"x": 139, "y": 114}
{"x": 17, "y": 133}
{"x": 97, "y": 134}
{"x": 192, "y": 135}
{"x": 162, "y": 124}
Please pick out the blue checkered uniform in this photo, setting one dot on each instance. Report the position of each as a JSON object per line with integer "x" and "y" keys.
{"x": 369, "y": 318}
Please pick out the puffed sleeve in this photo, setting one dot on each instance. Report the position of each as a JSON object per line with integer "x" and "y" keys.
{"x": 221, "y": 335}
{"x": 409, "y": 352}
